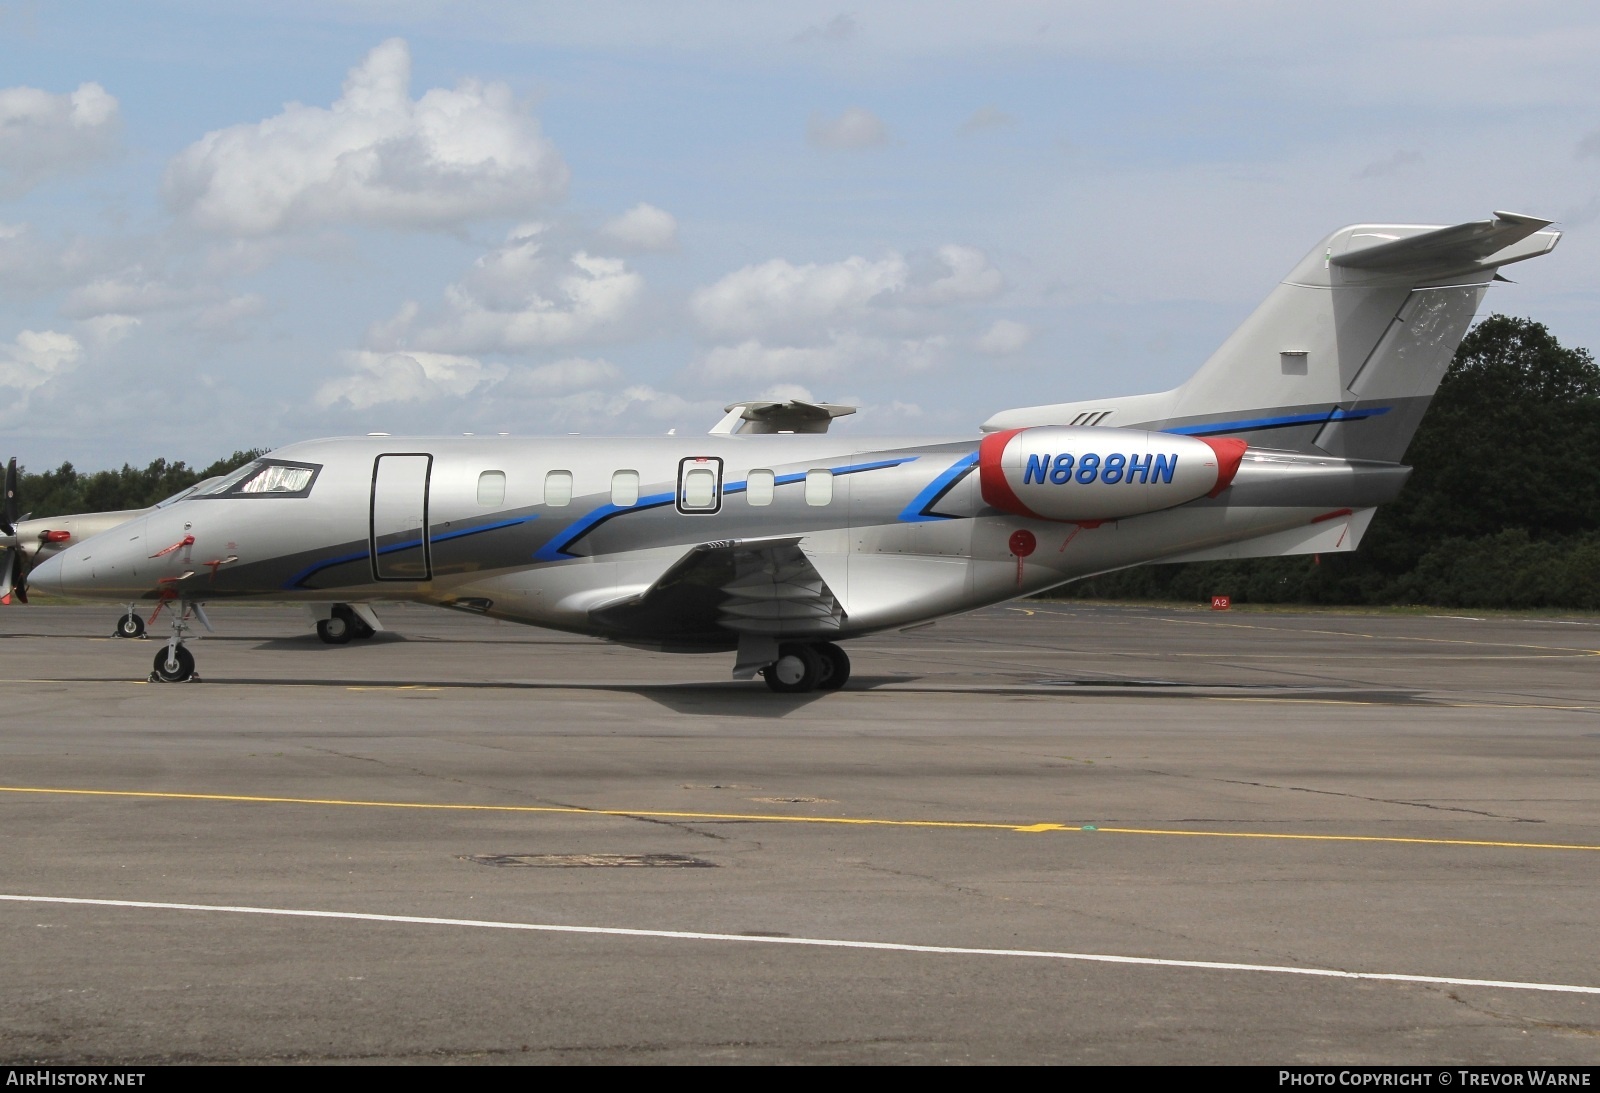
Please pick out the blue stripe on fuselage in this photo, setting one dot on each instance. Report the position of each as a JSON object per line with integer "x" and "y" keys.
{"x": 916, "y": 511}
{"x": 310, "y": 571}
{"x": 1218, "y": 428}
{"x": 556, "y": 549}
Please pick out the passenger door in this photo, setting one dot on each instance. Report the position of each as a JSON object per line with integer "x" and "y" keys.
{"x": 398, "y": 538}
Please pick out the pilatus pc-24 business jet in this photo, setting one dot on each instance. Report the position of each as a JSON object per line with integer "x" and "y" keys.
{"x": 775, "y": 541}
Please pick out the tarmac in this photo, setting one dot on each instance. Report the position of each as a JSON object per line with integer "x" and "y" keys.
{"x": 1041, "y": 833}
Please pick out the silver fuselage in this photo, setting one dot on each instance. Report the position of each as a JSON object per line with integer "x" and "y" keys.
{"x": 900, "y": 535}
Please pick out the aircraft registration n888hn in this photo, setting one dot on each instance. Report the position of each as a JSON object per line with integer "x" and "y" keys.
{"x": 775, "y": 540}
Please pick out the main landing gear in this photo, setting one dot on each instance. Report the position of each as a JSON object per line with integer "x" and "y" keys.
{"x": 342, "y": 625}
{"x": 803, "y": 667}
{"x": 174, "y": 663}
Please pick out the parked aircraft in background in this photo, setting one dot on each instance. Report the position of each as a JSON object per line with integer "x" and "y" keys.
{"x": 25, "y": 542}
{"x": 775, "y": 540}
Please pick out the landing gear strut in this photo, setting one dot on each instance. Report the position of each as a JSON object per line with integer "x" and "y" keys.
{"x": 807, "y": 667}
{"x": 174, "y": 663}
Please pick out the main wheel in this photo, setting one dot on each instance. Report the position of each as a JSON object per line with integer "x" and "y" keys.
{"x": 796, "y": 671}
{"x": 835, "y": 667}
{"x": 129, "y": 626}
{"x": 355, "y": 623}
{"x": 334, "y": 631}
{"x": 179, "y": 669}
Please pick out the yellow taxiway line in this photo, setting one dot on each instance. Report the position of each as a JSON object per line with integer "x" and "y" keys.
{"x": 763, "y": 817}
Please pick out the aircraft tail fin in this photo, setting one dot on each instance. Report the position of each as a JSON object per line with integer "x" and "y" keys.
{"x": 1345, "y": 354}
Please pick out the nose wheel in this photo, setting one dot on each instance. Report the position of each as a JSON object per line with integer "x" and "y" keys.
{"x": 129, "y": 625}
{"x": 174, "y": 663}
{"x": 801, "y": 668}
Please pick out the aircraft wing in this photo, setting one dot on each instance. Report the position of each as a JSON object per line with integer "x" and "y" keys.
{"x": 728, "y": 587}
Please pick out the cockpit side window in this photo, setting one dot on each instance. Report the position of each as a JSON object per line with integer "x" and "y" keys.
{"x": 266, "y": 478}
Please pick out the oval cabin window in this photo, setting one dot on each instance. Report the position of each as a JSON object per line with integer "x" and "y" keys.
{"x": 558, "y": 489}
{"x": 492, "y": 488}
{"x": 699, "y": 488}
{"x": 625, "y": 489}
{"x": 819, "y": 486}
{"x": 759, "y": 486}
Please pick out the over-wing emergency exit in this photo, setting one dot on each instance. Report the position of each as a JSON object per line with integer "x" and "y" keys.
{"x": 774, "y": 540}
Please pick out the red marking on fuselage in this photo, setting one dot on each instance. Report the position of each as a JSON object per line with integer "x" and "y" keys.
{"x": 992, "y": 479}
{"x": 1230, "y": 453}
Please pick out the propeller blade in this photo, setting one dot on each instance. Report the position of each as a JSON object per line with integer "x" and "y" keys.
{"x": 5, "y": 576}
{"x": 19, "y": 574}
{"x": 8, "y": 512}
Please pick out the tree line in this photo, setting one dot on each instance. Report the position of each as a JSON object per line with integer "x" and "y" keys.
{"x": 67, "y": 490}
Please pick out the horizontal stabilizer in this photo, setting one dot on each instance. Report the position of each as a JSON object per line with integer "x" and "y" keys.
{"x": 1461, "y": 247}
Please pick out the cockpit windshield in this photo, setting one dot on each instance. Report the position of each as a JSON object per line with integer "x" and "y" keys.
{"x": 264, "y": 478}
{"x": 199, "y": 487}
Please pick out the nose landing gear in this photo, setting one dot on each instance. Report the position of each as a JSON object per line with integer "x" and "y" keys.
{"x": 129, "y": 625}
{"x": 174, "y": 663}
{"x": 801, "y": 668}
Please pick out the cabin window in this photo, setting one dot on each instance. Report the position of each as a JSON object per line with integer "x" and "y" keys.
{"x": 492, "y": 488}
{"x": 700, "y": 484}
{"x": 759, "y": 486}
{"x": 625, "y": 489}
{"x": 819, "y": 486}
{"x": 558, "y": 489}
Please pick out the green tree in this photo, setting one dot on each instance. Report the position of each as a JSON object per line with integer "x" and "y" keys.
{"x": 66, "y": 490}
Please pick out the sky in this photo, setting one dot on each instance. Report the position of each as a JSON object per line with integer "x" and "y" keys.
{"x": 228, "y": 226}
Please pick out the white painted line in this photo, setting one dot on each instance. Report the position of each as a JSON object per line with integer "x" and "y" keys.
{"x": 814, "y": 942}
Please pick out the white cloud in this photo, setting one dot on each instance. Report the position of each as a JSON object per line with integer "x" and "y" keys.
{"x": 42, "y": 134}
{"x": 856, "y": 128}
{"x": 968, "y": 276}
{"x": 104, "y": 331}
{"x": 841, "y": 28}
{"x": 777, "y": 296}
{"x": 514, "y": 299}
{"x": 1390, "y": 164}
{"x": 643, "y": 227}
{"x": 636, "y": 403}
{"x": 35, "y": 357}
{"x": 133, "y": 292}
{"x": 376, "y": 156}
{"x": 755, "y": 362}
{"x": 571, "y": 374}
{"x": 985, "y": 119}
{"x": 1004, "y": 337}
{"x": 405, "y": 377}
{"x": 788, "y": 322}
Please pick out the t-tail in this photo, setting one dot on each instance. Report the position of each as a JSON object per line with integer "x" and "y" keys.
{"x": 1344, "y": 356}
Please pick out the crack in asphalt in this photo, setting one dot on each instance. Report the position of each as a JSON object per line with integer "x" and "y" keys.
{"x": 1351, "y": 796}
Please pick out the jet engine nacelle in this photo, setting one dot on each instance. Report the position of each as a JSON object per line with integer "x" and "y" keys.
{"x": 1087, "y": 475}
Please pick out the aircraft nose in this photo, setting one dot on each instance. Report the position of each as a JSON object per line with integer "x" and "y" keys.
{"x": 105, "y": 566}
{"x": 46, "y": 576}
